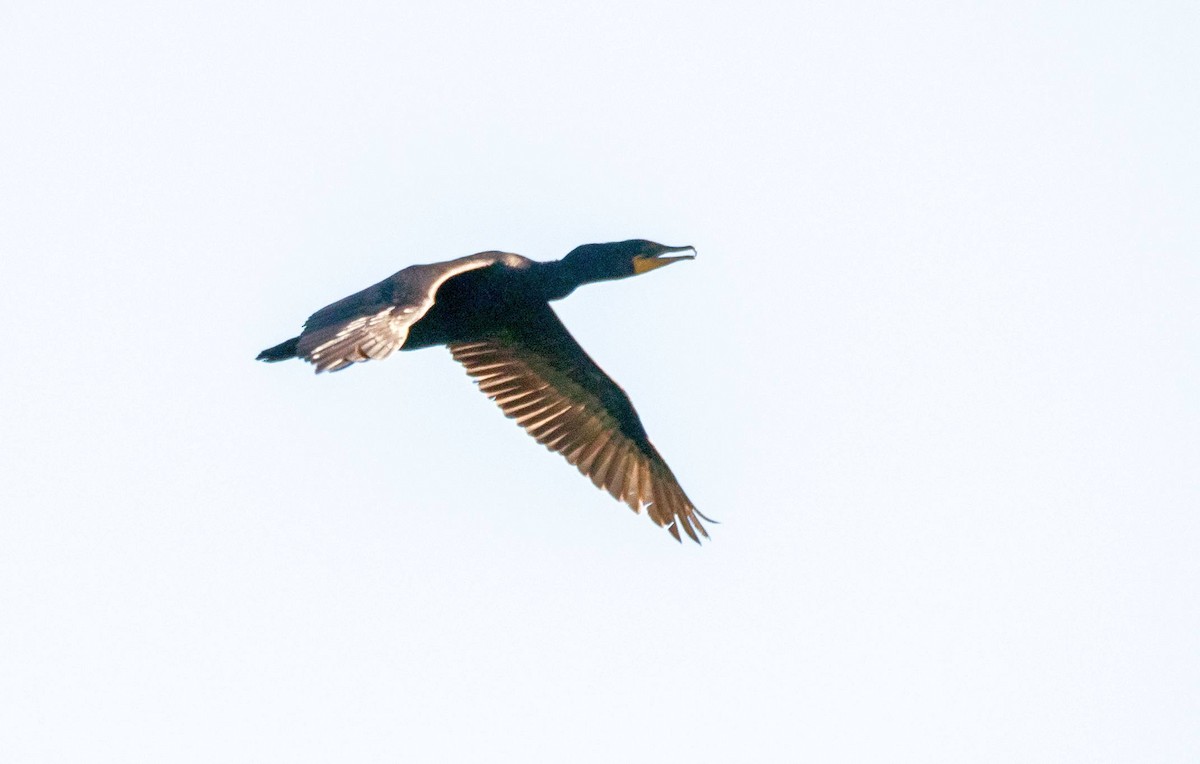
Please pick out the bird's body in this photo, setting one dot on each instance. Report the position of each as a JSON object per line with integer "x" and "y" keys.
{"x": 492, "y": 310}
{"x": 471, "y": 305}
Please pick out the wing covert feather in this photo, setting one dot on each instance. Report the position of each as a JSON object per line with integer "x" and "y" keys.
{"x": 374, "y": 323}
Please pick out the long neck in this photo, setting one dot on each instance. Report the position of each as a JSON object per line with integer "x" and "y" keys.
{"x": 557, "y": 279}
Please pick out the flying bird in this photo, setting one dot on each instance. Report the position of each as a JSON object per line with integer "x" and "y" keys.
{"x": 492, "y": 310}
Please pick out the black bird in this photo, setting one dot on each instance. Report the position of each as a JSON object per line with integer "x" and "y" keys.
{"x": 493, "y": 311}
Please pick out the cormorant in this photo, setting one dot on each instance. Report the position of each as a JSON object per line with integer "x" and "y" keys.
{"x": 493, "y": 311}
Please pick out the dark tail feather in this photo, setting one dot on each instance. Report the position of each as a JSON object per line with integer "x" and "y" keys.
{"x": 280, "y": 352}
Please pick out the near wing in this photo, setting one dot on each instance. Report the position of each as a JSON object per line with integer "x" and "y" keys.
{"x": 373, "y": 323}
{"x": 541, "y": 377}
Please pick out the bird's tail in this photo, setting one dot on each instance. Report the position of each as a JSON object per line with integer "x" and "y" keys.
{"x": 280, "y": 352}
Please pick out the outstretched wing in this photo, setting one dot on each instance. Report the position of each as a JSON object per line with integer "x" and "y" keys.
{"x": 373, "y": 324}
{"x": 541, "y": 377}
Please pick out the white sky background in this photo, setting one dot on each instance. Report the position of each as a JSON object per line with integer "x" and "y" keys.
{"x": 935, "y": 369}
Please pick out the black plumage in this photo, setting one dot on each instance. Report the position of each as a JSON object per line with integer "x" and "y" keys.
{"x": 492, "y": 310}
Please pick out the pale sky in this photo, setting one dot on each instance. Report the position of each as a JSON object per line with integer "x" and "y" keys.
{"x": 935, "y": 371}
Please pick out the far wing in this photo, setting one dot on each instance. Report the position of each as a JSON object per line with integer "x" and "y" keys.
{"x": 373, "y": 324}
{"x": 540, "y": 376}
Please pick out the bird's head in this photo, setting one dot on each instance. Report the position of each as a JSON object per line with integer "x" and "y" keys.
{"x": 621, "y": 259}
